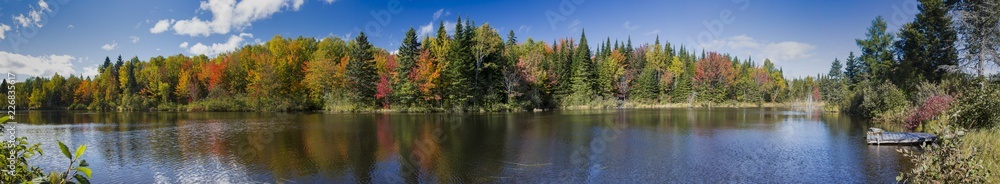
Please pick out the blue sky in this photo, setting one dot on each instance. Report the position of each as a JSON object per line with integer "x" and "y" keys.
{"x": 72, "y": 36}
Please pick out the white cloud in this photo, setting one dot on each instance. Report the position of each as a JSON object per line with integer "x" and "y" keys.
{"x": 3, "y": 31}
{"x": 193, "y": 27}
{"x": 161, "y": 26}
{"x": 440, "y": 13}
{"x": 449, "y": 27}
{"x": 743, "y": 41}
{"x": 786, "y": 51}
{"x": 70, "y": 26}
{"x": 184, "y": 45}
{"x": 628, "y": 26}
{"x": 425, "y": 30}
{"x": 43, "y": 5}
{"x": 90, "y": 71}
{"x": 229, "y": 14}
{"x": 330, "y": 1}
{"x": 135, "y": 39}
{"x": 37, "y": 65}
{"x": 217, "y": 48}
{"x": 34, "y": 17}
{"x": 653, "y": 32}
{"x": 111, "y": 46}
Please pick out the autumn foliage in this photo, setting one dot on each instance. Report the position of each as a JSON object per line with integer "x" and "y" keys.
{"x": 472, "y": 68}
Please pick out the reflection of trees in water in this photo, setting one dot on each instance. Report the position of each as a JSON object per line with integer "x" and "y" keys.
{"x": 575, "y": 146}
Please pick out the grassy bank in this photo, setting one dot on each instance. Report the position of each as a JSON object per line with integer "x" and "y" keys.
{"x": 986, "y": 142}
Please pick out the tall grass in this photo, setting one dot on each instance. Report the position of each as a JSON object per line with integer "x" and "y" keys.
{"x": 987, "y": 143}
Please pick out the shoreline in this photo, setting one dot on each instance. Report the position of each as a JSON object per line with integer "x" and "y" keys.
{"x": 629, "y": 105}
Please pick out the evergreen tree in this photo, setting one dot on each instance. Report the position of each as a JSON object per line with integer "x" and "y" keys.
{"x": 107, "y": 63}
{"x": 405, "y": 90}
{"x": 583, "y": 72}
{"x": 876, "y": 51}
{"x": 927, "y": 44}
{"x": 835, "y": 72}
{"x": 457, "y": 68}
{"x": 854, "y": 69}
{"x": 361, "y": 72}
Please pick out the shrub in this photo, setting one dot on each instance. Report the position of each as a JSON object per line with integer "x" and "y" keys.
{"x": 872, "y": 100}
{"x": 979, "y": 107}
{"x": 22, "y": 151}
{"x": 932, "y": 107}
{"x": 25, "y": 173}
{"x": 926, "y": 90}
{"x": 946, "y": 162}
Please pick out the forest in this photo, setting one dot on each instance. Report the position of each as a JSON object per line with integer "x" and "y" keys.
{"x": 473, "y": 69}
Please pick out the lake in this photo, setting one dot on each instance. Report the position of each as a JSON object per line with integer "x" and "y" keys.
{"x": 681, "y": 145}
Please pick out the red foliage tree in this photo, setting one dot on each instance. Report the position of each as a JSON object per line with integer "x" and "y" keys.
{"x": 714, "y": 75}
{"x": 815, "y": 93}
{"x": 761, "y": 76}
{"x": 383, "y": 90}
{"x": 715, "y": 71}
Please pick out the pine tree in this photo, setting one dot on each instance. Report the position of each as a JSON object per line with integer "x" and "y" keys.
{"x": 853, "y": 69}
{"x": 835, "y": 71}
{"x": 583, "y": 72}
{"x": 927, "y": 44}
{"x": 876, "y": 51}
{"x": 107, "y": 63}
{"x": 404, "y": 88}
{"x": 361, "y": 72}
{"x": 457, "y": 68}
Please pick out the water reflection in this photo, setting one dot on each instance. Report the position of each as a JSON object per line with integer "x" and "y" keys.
{"x": 601, "y": 146}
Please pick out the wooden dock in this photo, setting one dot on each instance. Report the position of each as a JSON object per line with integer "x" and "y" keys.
{"x": 879, "y": 136}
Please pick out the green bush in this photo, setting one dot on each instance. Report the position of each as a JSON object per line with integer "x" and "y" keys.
{"x": 22, "y": 151}
{"x": 946, "y": 162}
{"x": 875, "y": 99}
{"x": 978, "y": 107}
{"x": 25, "y": 173}
{"x": 926, "y": 90}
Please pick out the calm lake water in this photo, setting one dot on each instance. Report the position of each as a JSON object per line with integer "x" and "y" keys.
{"x": 719, "y": 145}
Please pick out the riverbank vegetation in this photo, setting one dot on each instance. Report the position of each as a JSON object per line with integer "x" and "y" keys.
{"x": 919, "y": 78}
{"x": 15, "y": 155}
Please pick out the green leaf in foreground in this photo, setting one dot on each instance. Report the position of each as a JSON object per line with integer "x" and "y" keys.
{"x": 65, "y": 150}
{"x": 84, "y": 170}
{"x": 81, "y": 179}
{"x": 80, "y": 150}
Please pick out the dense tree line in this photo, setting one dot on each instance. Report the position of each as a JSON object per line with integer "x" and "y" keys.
{"x": 899, "y": 75}
{"x": 473, "y": 68}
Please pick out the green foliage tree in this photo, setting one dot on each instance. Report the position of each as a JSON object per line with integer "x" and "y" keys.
{"x": 361, "y": 72}
{"x": 583, "y": 73}
{"x": 409, "y": 50}
{"x": 854, "y": 70}
{"x": 927, "y": 45}
{"x": 876, "y": 51}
